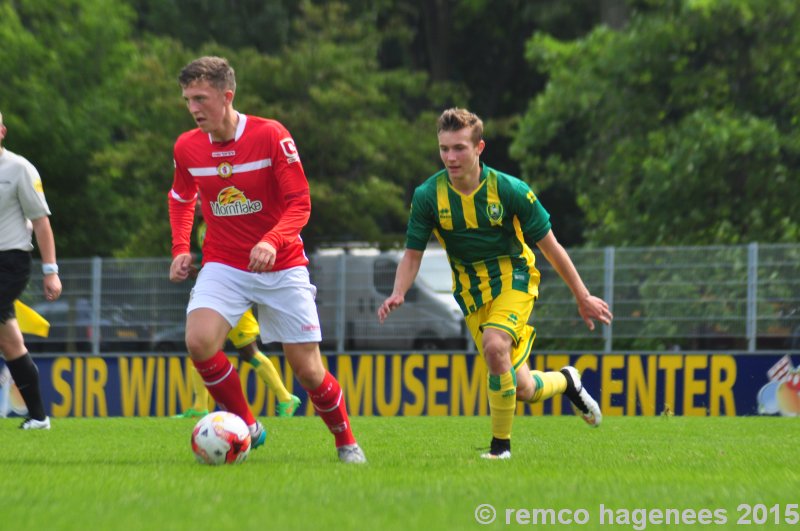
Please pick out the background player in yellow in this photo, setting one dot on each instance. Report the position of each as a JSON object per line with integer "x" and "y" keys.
{"x": 488, "y": 222}
{"x": 243, "y": 336}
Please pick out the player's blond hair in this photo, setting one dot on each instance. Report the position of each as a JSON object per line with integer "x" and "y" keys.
{"x": 456, "y": 119}
{"x": 215, "y": 70}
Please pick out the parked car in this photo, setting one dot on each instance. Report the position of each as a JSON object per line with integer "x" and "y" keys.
{"x": 72, "y": 328}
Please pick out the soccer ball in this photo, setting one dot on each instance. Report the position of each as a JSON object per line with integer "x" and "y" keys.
{"x": 221, "y": 438}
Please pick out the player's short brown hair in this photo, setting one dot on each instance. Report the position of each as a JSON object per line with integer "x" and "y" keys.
{"x": 215, "y": 70}
{"x": 456, "y": 119}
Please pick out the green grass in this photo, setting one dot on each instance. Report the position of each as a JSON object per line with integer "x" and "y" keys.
{"x": 424, "y": 473}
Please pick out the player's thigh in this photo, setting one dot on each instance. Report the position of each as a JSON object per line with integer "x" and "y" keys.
{"x": 15, "y": 272}
{"x": 12, "y": 344}
{"x": 509, "y": 312}
{"x": 205, "y": 332}
{"x": 224, "y": 289}
{"x": 474, "y": 323}
{"x": 287, "y": 312}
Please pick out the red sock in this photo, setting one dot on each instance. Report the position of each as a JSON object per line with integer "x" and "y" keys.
{"x": 222, "y": 381}
{"x": 330, "y": 405}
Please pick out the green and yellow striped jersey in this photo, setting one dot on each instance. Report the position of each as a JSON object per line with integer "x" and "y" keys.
{"x": 483, "y": 233}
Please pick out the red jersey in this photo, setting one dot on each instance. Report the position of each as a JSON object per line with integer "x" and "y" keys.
{"x": 252, "y": 189}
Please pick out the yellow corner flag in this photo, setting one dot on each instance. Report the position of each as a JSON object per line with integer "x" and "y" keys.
{"x": 31, "y": 322}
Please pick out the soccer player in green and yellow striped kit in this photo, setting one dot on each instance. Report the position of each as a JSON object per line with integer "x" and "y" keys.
{"x": 488, "y": 222}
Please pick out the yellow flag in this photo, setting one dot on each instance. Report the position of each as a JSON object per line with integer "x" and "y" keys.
{"x": 31, "y": 322}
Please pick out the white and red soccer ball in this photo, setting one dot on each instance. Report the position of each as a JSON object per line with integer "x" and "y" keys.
{"x": 221, "y": 438}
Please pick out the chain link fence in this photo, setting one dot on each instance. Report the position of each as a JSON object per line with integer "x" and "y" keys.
{"x": 735, "y": 298}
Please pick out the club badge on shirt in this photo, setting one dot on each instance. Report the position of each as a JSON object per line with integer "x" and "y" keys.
{"x": 225, "y": 169}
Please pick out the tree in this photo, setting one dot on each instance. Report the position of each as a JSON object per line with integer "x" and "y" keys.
{"x": 58, "y": 60}
{"x": 261, "y": 24}
{"x": 679, "y": 129}
{"x": 357, "y": 127}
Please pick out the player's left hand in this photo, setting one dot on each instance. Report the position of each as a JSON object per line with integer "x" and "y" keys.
{"x": 52, "y": 287}
{"x": 393, "y": 302}
{"x": 592, "y": 308}
{"x": 262, "y": 257}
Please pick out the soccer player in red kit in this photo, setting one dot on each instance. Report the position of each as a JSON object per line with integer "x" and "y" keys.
{"x": 255, "y": 200}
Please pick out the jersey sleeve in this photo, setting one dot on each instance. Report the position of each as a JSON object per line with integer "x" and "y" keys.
{"x": 30, "y": 194}
{"x": 181, "y": 200}
{"x": 533, "y": 218}
{"x": 421, "y": 221}
{"x": 292, "y": 187}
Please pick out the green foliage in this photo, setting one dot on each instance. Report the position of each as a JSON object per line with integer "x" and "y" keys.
{"x": 684, "y": 125}
{"x": 356, "y": 126}
{"x": 58, "y": 60}
{"x": 132, "y": 176}
{"x": 230, "y": 23}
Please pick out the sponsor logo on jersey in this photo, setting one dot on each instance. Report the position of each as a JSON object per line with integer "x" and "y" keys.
{"x": 218, "y": 154}
{"x": 38, "y": 186}
{"x": 494, "y": 211}
{"x": 444, "y": 214}
{"x": 290, "y": 150}
{"x": 232, "y": 202}
{"x": 225, "y": 169}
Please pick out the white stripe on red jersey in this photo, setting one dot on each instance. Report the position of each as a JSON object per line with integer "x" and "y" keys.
{"x": 237, "y": 168}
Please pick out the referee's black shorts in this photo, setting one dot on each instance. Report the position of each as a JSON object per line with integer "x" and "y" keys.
{"x": 15, "y": 272}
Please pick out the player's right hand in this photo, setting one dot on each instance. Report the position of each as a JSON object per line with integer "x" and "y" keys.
{"x": 181, "y": 267}
{"x": 389, "y": 305}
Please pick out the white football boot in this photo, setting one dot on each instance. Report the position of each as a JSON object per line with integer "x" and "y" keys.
{"x": 582, "y": 402}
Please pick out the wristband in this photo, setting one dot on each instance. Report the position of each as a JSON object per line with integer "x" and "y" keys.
{"x": 50, "y": 269}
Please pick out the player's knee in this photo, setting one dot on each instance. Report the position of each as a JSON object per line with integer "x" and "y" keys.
{"x": 526, "y": 387}
{"x": 309, "y": 372}
{"x": 497, "y": 354}
{"x": 201, "y": 346}
{"x": 12, "y": 345}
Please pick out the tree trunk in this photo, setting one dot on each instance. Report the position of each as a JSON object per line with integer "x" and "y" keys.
{"x": 614, "y": 13}
{"x": 436, "y": 19}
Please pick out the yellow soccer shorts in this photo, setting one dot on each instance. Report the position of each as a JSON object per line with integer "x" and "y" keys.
{"x": 246, "y": 330}
{"x": 508, "y": 312}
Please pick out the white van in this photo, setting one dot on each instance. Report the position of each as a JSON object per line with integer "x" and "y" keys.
{"x": 352, "y": 285}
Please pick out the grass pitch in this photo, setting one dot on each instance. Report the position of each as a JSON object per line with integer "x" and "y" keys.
{"x": 423, "y": 473}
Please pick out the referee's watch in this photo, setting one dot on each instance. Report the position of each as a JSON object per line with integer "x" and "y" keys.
{"x": 49, "y": 269}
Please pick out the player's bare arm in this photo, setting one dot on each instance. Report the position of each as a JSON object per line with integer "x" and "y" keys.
{"x": 590, "y": 308}
{"x": 47, "y": 248}
{"x": 181, "y": 267}
{"x": 406, "y": 273}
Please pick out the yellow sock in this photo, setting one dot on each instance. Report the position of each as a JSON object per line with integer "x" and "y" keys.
{"x": 200, "y": 391}
{"x": 548, "y": 384}
{"x": 502, "y": 402}
{"x": 267, "y": 372}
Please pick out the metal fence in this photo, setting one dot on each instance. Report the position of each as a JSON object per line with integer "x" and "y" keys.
{"x": 744, "y": 298}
